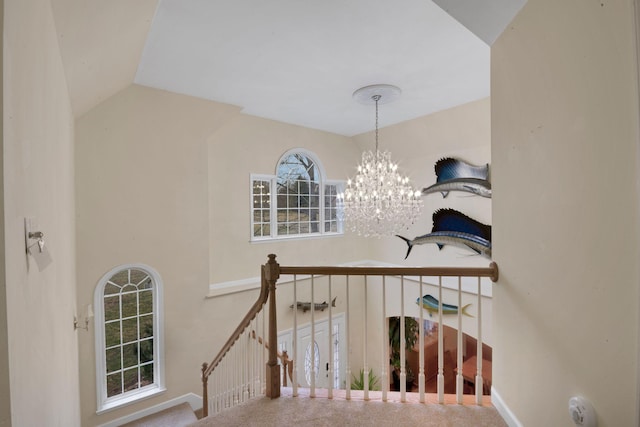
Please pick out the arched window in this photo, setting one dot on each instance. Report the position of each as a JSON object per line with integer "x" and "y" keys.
{"x": 129, "y": 347}
{"x": 304, "y": 202}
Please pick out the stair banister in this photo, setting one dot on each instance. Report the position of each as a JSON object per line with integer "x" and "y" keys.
{"x": 207, "y": 368}
{"x": 270, "y": 273}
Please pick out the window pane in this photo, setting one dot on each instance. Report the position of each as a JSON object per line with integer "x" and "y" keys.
{"x": 315, "y": 227}
{"x": 114, "y": 384}
{"x": 314, "y": 189}
{"x": 257, "y": 230}
{"x": 145, "y": 301}
{"x": 121, "y": 278}
{"x": 129, "y": 355}
{"x": 112, "y": 308}
{"x": 112, "y": 333}
{"x": 146, "y": 284}
{"x": 146, "y": 351}
{"x": 146, "y": 374}
{"x": 131, "y": 379}
{"x": 304, "y": 227}
{"x": 130, "y": 330}
{"x": 130, "y": 304}
{"x": 146, "y": 326}
{"x": 113, "y": 359}
{"x": 110, "y": 288}
{"x": 314, "y": 214}
{"x": 138, "y": 276}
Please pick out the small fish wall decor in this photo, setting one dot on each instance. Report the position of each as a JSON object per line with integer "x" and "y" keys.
{"x": 306, "y": 306}
{"x": 456, "y": 175}
{"x": 431, "y": 304}
{"x": 451, "y": 227}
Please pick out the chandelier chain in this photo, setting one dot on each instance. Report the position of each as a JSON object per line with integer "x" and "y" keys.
{"x": 376, "y": 98}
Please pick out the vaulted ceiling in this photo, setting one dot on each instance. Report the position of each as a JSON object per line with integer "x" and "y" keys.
{"x": 286, "y": 60}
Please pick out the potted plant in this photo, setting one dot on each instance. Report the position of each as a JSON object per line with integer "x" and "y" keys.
{"x": 358, "y": 382}
{"x": 411, "y": 330}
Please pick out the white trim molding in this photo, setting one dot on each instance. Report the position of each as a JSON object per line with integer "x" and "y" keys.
{"x": 503, "y": 409}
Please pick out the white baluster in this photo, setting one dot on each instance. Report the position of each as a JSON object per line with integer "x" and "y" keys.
{"x": 366, "y": 332}
{"x": 459, "y": 377}
{"x": 479, "y": 379}
{"x": 384, "y": 376}
{"x": 348, "y": 341}
{"x": 330, "y": 338}
{"x": 295, "y": 336}
{"x": 440, "y": 346}
{"x": 403, "y": 344}
{"x": 263, "y": 353}
{"x": 421, "y": 375}
{"x": 312, "y": 392}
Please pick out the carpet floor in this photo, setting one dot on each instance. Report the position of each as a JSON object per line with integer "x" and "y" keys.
{"x": 321, "y": 411}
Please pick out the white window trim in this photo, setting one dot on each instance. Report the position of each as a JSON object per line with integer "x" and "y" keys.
{"x": 104, "y": 403}
{"x": 273, "y": 202}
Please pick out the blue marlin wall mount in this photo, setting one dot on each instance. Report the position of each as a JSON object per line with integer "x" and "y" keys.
{"x": 456, "y": 175}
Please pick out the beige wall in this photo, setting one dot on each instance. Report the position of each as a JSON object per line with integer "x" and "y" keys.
{"x": 462, "y": 132}
{"x": 565, "y": 174}
{"x": 249, "y": 145}
{"x": 5, "y": 389}
{"x": 38, "y": 177}
{"x": 141, "y": 161}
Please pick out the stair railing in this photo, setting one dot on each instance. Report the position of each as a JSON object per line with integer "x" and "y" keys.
{"x": 237, "y": 391}
{"x": 229, "y": 390}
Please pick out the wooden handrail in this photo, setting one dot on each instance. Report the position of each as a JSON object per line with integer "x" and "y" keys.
{"x": 490, "y": 272}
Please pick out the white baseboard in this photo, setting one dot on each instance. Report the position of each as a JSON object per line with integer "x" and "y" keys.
{"x": 503, "y": 409}
{"x": 192, "y": 399}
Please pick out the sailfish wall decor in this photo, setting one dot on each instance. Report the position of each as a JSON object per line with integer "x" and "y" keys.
{"x": 456, "y": 175}
{"x": 451, "y": 227}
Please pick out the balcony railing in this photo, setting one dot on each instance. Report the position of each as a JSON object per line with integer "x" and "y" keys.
{"x": 358, "y": 325}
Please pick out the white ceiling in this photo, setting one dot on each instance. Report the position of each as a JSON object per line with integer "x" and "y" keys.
{"x": 300, "y": 61}
{"x": 288, "y": 60}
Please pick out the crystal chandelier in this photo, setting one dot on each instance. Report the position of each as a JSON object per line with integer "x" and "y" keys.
{"x": 379, "y": 201}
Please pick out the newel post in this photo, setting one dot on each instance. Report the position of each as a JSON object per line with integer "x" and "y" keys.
{"x": 271, "y": 274}
{"x": 205, "y": 391}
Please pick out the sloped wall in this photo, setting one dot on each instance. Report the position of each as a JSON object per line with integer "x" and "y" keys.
{"x": 565, "y": 208}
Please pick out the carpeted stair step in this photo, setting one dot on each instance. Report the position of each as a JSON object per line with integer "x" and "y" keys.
{"x": 177, "y": 416}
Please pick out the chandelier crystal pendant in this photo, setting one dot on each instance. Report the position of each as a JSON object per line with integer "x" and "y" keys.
{"x": 379, "y": 200}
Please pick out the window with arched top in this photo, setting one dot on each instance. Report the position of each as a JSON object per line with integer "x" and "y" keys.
{"x": 298, "y": 201}
{"x": 129, "y": 338}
